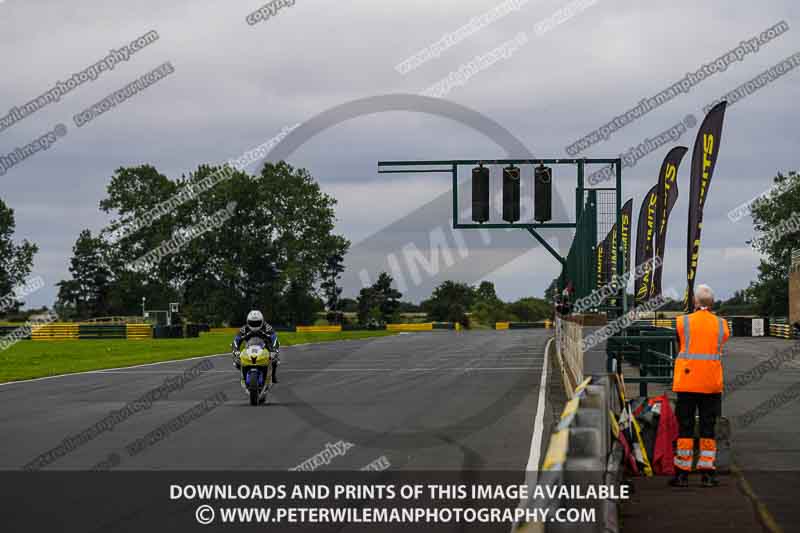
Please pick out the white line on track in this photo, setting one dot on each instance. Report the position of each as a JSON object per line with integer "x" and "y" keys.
{"x": 503, "y": 368}
{"x": 300, "y": 370}
{"x": 109, "y": 370}
{"x": 536, "y": 439}
{"x": 446, "y": 369}
{"x": 126, "y": 369}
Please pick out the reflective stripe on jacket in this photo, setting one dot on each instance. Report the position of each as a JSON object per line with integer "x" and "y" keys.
{"x": 698, "y": 367}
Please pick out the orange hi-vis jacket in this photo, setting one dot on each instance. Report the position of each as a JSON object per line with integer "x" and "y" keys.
{"x": 698, "y": 367}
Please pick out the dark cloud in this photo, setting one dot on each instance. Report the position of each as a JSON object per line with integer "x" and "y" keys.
{"x": 235, "y": 86}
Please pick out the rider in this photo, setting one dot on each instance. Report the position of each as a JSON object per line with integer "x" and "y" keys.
{"x": 257, "y": 327}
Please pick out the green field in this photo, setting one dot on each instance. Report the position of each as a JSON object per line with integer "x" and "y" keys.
{"x": 35, "y": 359}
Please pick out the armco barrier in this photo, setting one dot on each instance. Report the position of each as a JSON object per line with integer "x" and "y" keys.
{"x": 318, "y": 329}
{"x": 108, "y": 331}
{"x": 447, "y": 325}
{"x": 56, "y": 331}
{"x": 168, "y": 332}
{"x": 59, "y": 331}
{"x": 783, "y": 331}
{"x": 582, "y": 452}
{"x": 547, "y": 324}
{"x": 9, "y": 329}
{"x": 425, "y": 326}
{"x": 527, "y": 325}
{"x": 138, "y": 331}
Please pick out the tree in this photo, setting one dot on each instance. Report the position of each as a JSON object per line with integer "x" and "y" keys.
{"x": 738, "y": 304}
{"x": 368, "y": 307}
{"x": 131, "y": 196}
{"x": 531, "y": 309}
{"x": 408, "y": 307}
{"x": 771, "y": 290}
{"x": 389, "y": 297}
{"x": 348, "y": 305}
{"x": 269, "y": 243}
{"x": 16, "y": 260}
{"x": 86, "y": 294}
{"x": 486, "y": 292}
{"x": 380, "y": 302}
{"x": 488, "y": 308}
{"x": 302, "y": 304}
{"x": 449, "y": 302}
{"x": 774, "y": 220}
{"x": 334, "y": 266}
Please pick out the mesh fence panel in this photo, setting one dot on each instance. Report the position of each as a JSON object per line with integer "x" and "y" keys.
{"x": 592, "y": 259}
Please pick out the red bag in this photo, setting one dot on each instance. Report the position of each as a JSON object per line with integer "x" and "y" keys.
{"x": 663, "y": 455}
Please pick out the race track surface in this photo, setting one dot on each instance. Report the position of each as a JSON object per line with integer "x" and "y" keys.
{"x": 438, "y": 400}
{"x": 765, "y": 418}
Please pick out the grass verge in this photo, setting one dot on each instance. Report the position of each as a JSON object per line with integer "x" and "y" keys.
{"x": 36, "y": 359}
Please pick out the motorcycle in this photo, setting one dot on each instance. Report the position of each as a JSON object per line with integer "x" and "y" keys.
{"x": 256, "y": 366}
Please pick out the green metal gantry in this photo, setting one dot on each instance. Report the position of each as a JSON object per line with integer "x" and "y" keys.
{"x": 579, "y": 264}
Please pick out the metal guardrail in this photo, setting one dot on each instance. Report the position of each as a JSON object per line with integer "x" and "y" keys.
{"x": 546, "y": 324}
{"x": 318, "y": 329}
{"x": 60, "y": 331}
{"x": 411, "y": 326}
{"x": 139, "y": 331}
{"x": 582, "y": 452}
{"x": 783, "y": 331}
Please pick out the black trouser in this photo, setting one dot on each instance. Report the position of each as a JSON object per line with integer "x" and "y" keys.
{"x": 710, "y": 407}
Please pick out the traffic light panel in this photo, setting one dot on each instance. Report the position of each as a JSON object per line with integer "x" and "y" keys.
{"x": 480, "y": 194}
{"x": 511, "y": 194}
{"x": 542, "y": 193}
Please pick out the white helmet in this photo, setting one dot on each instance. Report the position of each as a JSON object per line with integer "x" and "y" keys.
{"x": 255, "y": 319}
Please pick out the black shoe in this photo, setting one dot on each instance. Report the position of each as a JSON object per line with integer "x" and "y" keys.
{"x": 681, "y": 479}
{"x": 710, "y": 480}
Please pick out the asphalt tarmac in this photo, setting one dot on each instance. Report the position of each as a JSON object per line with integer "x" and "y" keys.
{"x": 418, "y": 401}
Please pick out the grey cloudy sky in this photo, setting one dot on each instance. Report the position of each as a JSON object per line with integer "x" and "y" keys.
{"x": 236, "y": 85}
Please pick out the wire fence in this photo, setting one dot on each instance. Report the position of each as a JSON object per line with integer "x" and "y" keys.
{"x": 592, "y": 259}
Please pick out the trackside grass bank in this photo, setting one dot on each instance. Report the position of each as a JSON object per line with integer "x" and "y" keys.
{"x": 29, "y": 359}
